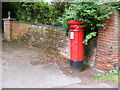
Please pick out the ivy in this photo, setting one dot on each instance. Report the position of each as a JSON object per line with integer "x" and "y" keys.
{"x": 59, "y": 13}
{"x": 89, "y": 36}
{"x": 115, "y": 5}
{"x": 90, "y": 12}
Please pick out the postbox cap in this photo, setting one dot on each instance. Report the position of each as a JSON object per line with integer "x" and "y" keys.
{"x": 75, "y": 22}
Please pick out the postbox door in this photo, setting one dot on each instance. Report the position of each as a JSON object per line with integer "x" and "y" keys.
{"x": 81, "y": 45}
{"x": 76, "y": 46}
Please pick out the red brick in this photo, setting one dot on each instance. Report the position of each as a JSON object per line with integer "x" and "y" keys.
{"x": 107, "y": 38}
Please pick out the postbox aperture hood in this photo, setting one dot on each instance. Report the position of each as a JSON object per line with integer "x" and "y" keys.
{"x": 75, "y": 22}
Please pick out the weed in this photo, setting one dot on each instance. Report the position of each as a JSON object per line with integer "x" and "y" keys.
{"x": 111, "y": 75}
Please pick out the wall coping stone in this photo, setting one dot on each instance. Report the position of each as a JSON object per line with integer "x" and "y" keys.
{"x": 43, "y": 25}
{"x": 9, "y": 19}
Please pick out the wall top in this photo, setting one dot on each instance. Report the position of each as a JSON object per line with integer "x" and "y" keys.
{"x": 9, "y": 19}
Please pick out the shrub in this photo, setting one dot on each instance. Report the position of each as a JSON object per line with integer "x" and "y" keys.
{"x": 90, "y": 12}
{"x": 33, "y": 12}
{"x": 41, "y": 12}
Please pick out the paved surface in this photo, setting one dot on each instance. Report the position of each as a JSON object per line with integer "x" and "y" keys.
{"x": 18, "y": 72}
{"x": 100, "y": 85}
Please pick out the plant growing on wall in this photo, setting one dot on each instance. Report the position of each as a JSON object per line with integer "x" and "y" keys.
{"x": 56, "y": 10}
{"x": 116, "y": 5}
{"x": 90, "y": 12}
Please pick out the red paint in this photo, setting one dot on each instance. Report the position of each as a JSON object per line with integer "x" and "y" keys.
{"x": 76, "y": 45}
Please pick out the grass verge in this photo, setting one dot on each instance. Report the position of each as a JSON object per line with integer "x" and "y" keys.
{"x": 111, "y": 75}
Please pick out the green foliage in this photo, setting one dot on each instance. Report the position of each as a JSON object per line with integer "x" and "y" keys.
{"x": 90, "y": 12}
{"x": 56, "y": 10}
{"x": 89, "y": 36}
{"x": 41, "y": 12}
{"x": 59, "y": 13}
{"x": 33, "y": 12}
{"x": 115, "y": 5}
{"x": 112, "y": 76}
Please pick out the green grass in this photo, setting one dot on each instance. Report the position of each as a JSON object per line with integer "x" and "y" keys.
{"x": 112, "y": 76}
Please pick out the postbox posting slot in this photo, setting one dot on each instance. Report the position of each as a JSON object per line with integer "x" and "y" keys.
{"x": 72, "y": 28}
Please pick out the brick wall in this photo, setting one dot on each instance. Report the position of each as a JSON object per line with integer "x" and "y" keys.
{"x": 15, "y": 29}
{"x": 119, "y": 40}
{"x": 107, "y": 44}
{"x": 7, "y": 31}
{"x": 104, "y": 57}
{"x": 18, "y": 29}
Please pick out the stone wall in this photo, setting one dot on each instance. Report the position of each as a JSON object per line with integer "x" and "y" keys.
{"x": 104, "y": 57}
{"x": 90, "y": 52}
{"x": 15, "y": 30}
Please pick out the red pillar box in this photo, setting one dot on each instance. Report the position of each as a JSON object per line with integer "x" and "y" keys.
{"x": 76, "y": 45}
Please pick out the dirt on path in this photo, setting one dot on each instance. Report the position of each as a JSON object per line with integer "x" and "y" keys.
{"x": 23, "y": 63}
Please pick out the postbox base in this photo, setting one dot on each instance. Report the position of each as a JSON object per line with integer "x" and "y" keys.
{"x": 76, "y": 65}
